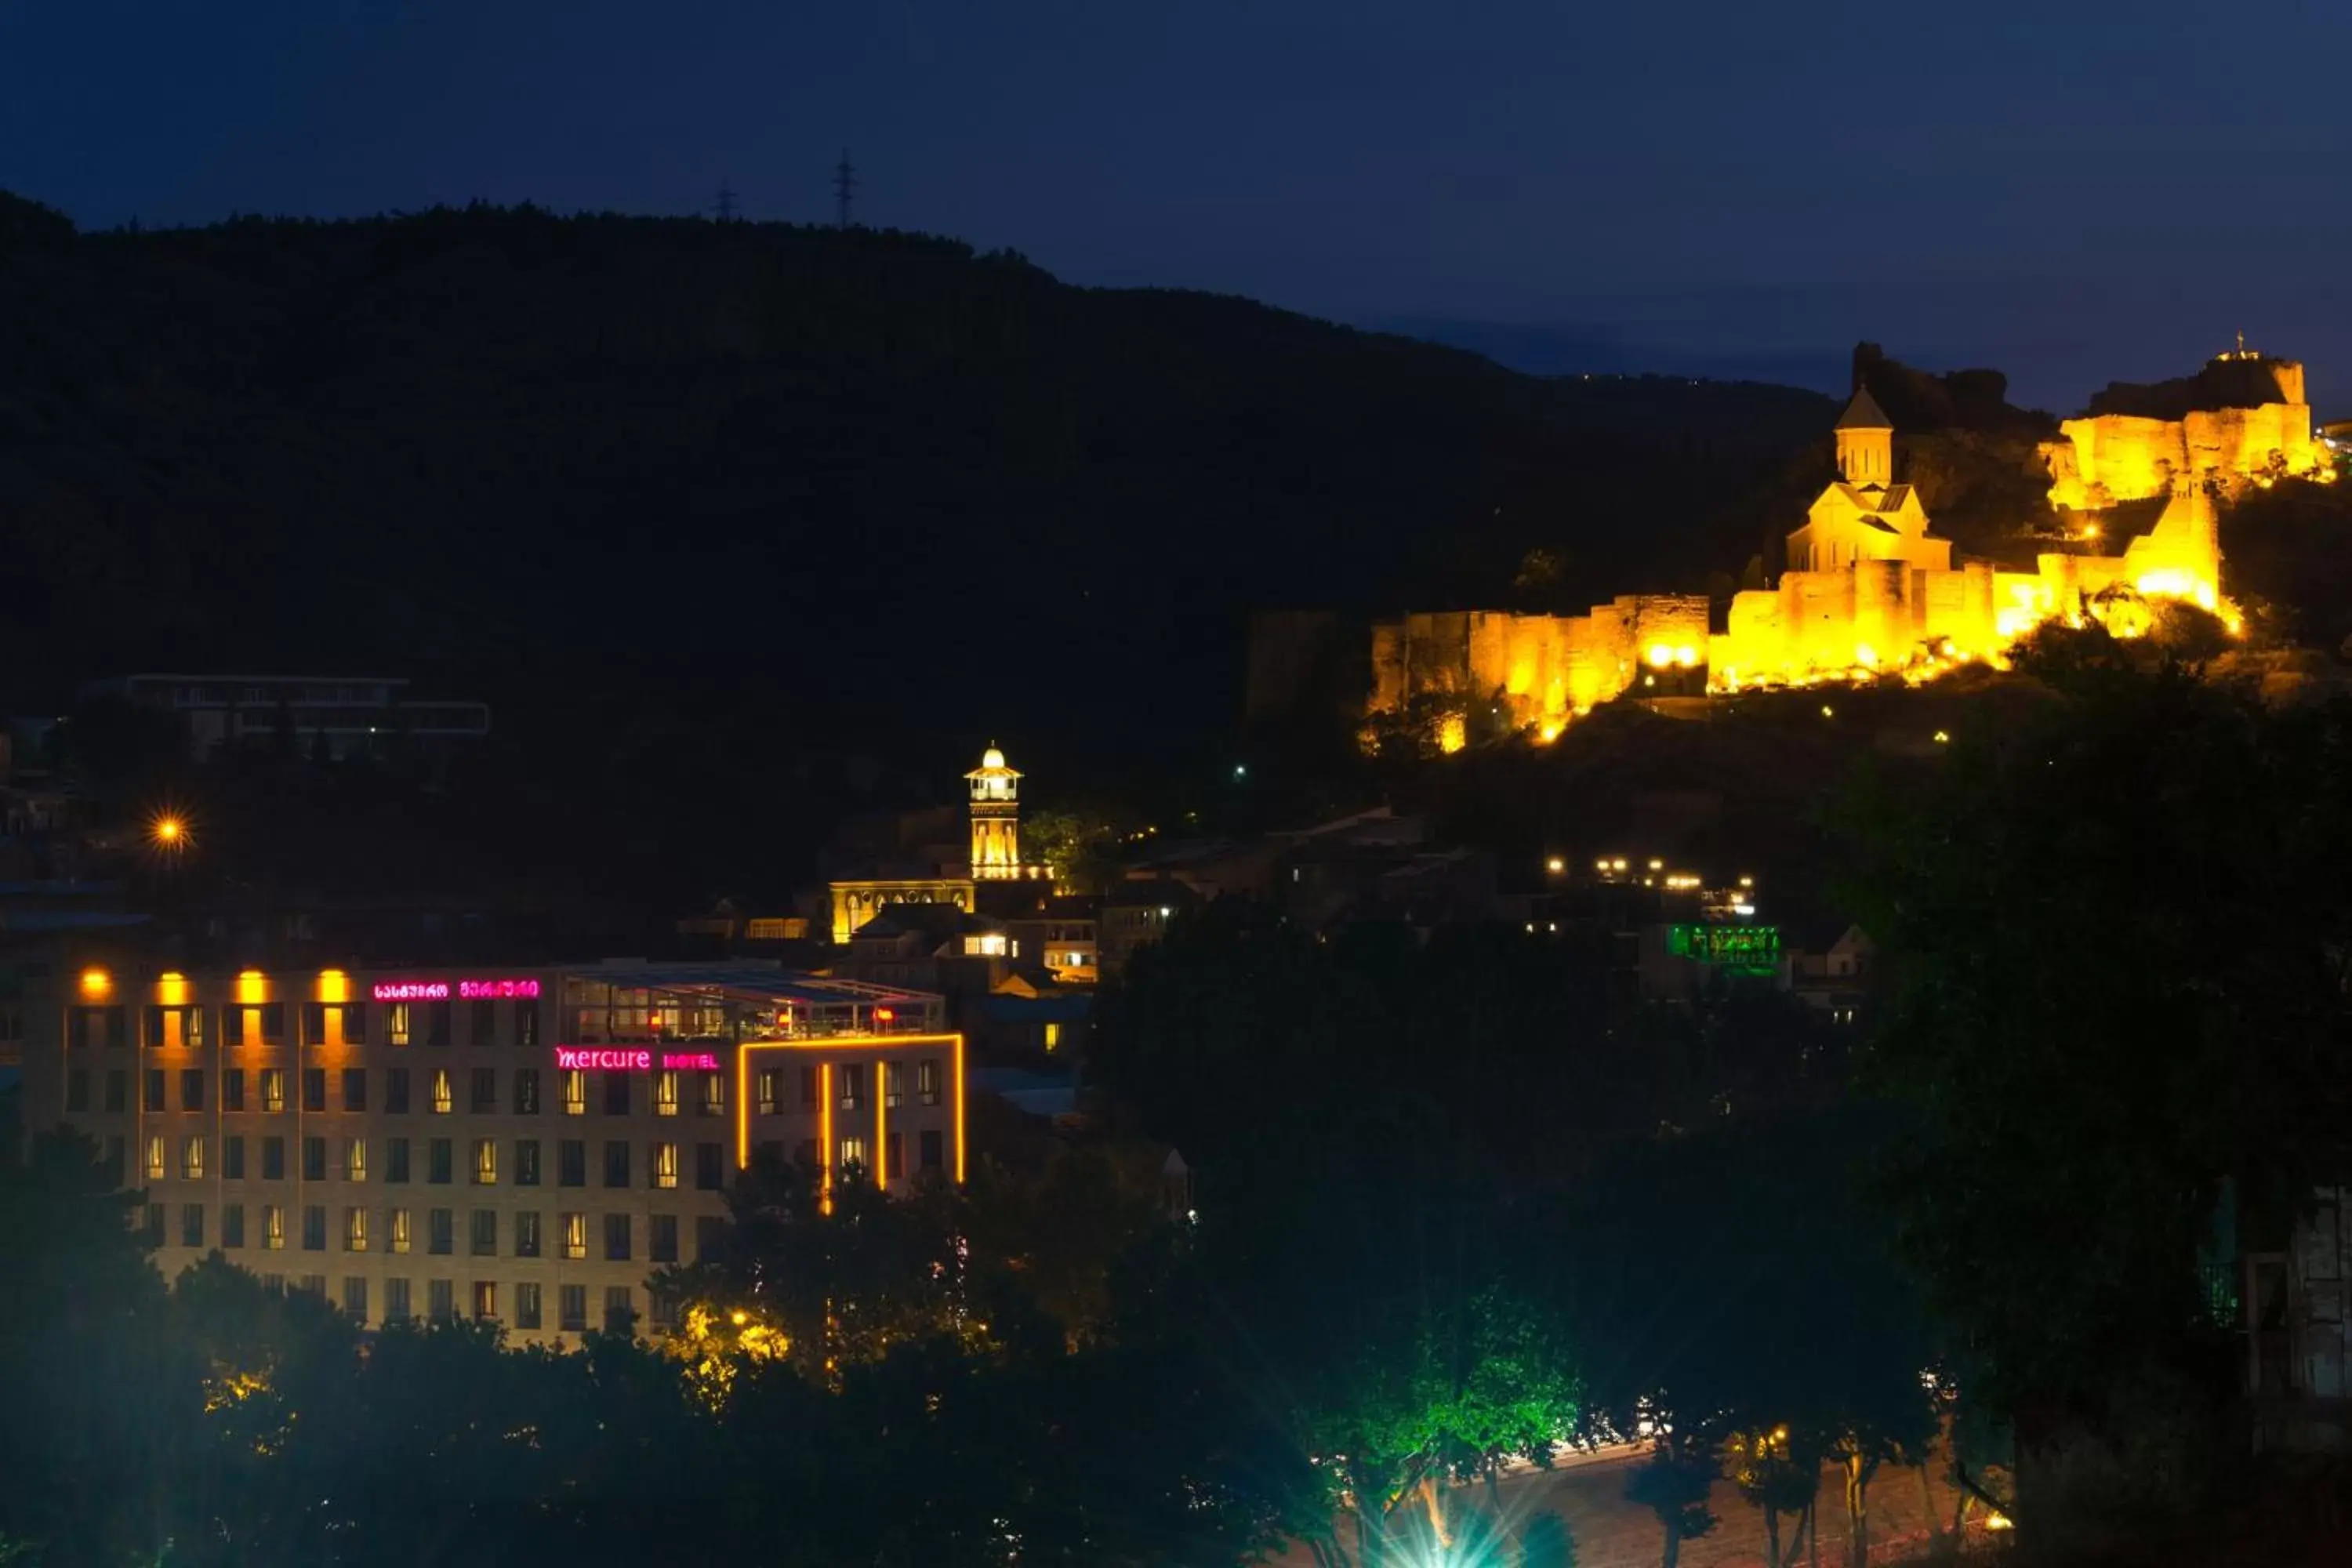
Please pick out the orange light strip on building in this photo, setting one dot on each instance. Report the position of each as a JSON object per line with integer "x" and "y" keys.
{"x": 825, "y": 1137}
{"x": 839, "y": 1043}
{"x": 882, "y": 1126}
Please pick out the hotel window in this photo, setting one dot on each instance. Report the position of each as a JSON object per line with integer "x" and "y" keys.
{"x": 616, "y": 1238}
{"x": 396, "y": 1160}
{"x": 853, "y": 1152}
{"x": 395, "y": 1024}
{"x": 486, "y": 1161}
{"x": 355, "y": 1298}
{"x": 483, "y": 1237}
{"x": 770, "y": 1083}
{"x": 273, "y": 1159}
{"x": 665, "y": 1094}
{"x": 616, "y": 1163}
{"x": 191, "y": 1225}
{"x": 575, "y": 1236}
{"x": 155, "y": 1156}
{"x": 191, "y": 1157}
{"x": 436, "y": 1022}
{"x": 314, "y": 1089}
{"x": 526, "y": 1022}
{"x": 191, "y": 1088}
{"x": 314, "y": 1227}
{"x": 812, "y": 1088}
{"x": 709, "y": 1168}
{"x": 893, "y": 1084}
{"x": 617, "y": 1094}
{"x": 355, "y": 1159}
{"x": 572, "y": 1163}
{"x": 397, "y": 1234}
{"x": 273, "y": 1090}
{"x": 661, "y": 1239}
{"x": 232, "y": 1088}
{"x": 527, "y": 1306}
{"x": 853, "y": 1087}
{"x": 273, "y": 1227}
{"x": 927, "y": 1082}
{"x": 894, "y": 1157}
{"x": 155, "y": 1084}
{"x": 151, "y": 1222}
{"x": 1053, "y": 1037}
{"x": 710, "y": 1237}
{"x": 932, "y": 1150}
{"x": 619, "y": 1315}
{"x": 232, "y": 1227}
{"x": 526, "y": 1226}
{"x": 485, "y": 1300}
{"x": 482, "y": 1028}
{"x": 395, "y": 1301}
{"x": 313, "y": 1285}
{"x": 484, "y": 1100}
{"x": 273, "y": 1021}
{"x": 441, "y": 1300}
{"x": 333, "y": 1024}
{"x": 395, "y": 1090}
{"x": 575, "y": 1092}
{"x": 526, "y": 1091}
{"x": 440, "y": 1232}
{"x": 714, "y": 1094}
{"x": 118, "y": 1091}
{"x": 314, "y": 1159}
{"x": 274, "y": 1283}
{"x": 355, "y": 1089}
{"x": 355, "y": 1230}
{"x": 526, "y": 1162}
{"x": 572, "y": 1308}
{"x": 665, "y": 1305}
{"x": 240, "y": 1025}
{"x": 438, "y": 1161}
{"x": 233, "y": 1157}
{"x": 444, "y": 1101}
{"x": 666, "y": 1165}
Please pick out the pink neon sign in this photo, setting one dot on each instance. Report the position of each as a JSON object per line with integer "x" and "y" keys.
{"x": 602, "y": 1059}
{"x": 439, "y": 990}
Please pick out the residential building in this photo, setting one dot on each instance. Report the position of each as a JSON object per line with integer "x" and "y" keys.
{"x": 347, "y": 714}
{"x": 524, "y": 1146}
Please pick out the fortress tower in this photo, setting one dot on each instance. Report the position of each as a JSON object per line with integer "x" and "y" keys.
{"x": 996, "y": 819}
{"x": 1866, "y": 442}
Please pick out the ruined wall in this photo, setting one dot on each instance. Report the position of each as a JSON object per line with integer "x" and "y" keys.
{"x": 2109, "y": 457}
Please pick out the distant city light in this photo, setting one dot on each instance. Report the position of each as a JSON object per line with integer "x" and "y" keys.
{"x": 1240, "y": 772}
{"x": 1555, "y": 865}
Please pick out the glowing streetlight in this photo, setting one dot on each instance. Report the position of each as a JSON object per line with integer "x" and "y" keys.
{"x": 168, "y": 833}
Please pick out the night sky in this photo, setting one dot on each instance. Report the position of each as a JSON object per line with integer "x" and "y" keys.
{"x": 2070, "y": 191}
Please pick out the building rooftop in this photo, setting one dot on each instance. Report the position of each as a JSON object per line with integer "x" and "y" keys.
{"x": 1864, "y": 414}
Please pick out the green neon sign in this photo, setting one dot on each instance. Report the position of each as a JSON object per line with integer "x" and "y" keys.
{"x": 1739, "y": 950}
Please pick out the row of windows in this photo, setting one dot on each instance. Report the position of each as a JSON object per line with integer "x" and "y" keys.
{"x": 440, "y": 1086}
{"x": 484, "y": 1298}
{"x": 322, "y": 1024}
{"x": 577, "y": 1237}
{"x": 665, "y": 1162}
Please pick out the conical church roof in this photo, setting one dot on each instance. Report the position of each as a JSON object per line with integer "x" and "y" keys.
{"x": 1864, "y": 414}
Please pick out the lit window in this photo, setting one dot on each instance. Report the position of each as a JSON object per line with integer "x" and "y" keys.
{"x": 927, "y": 1082}
{"x": 769, "y": 1081}
{"x": 714, "y": 1094}
{"x": 1053, "y": 1037}
{"x": 664, "y": 1164}
{"x": 893, "y": 1084}
{"x": 355, "y": 1159}
{"x": 575, "y": 1093}
{"x": 665, "y": 1094}
{"x": 575, "y": 1236}
{"x": 395, "y": 1024}
{"x": 398, "y": 1230}
{"x": 273, "y": 1088}
{"x": 485, "y": 1299}
{"x": 273, "y": 1227}
{"x": 192, "y": 1158}
{"x": 853, "y": 1087}
{"x": 355, "y": 1223}
{"x": 443, "y": 1100}
{"x": 853, "y": 1152}
{"x": 486, "y": 1161}
{"x": 154, "y": 1156}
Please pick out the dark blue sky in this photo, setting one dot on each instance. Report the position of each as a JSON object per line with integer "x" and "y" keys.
{"x": 2071, "y": 192}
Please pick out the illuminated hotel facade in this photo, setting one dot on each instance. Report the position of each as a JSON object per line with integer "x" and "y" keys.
{"x": 526, "y": 1146}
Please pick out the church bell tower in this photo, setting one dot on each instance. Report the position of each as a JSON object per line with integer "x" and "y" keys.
{"x": 1866, "y": 442}
{"x": 995, "y": 818}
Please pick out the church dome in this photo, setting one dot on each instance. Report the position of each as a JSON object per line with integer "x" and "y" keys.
{"x": 992, "y": 758}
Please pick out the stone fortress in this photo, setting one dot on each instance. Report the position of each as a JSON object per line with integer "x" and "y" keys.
{"x": 1870, "y": 589}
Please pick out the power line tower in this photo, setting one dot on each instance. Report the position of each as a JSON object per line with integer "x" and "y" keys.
{"x": 845, "y": 185}
{"x": 726, "y": 210}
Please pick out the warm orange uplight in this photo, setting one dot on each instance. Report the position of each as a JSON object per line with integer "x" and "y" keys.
{"x": 168, "y": 832}
{"x": 825, "y": 1115}
{"x": 881, "y": 1087}
{"x": 171, "y": 988}
{"x": 252, "y": 987}
{"x": 97, "y": 984}
{"x": 825, "y": 1137}
{"x": 334, "y": 985}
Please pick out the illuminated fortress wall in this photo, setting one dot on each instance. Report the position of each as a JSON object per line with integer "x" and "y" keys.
{"x": 1876, "y": 591}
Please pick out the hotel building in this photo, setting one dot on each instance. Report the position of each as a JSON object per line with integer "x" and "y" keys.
{"x": 526, "y": 1146}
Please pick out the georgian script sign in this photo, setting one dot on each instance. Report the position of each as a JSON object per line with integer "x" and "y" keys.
{"x": 440, "y": 990}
